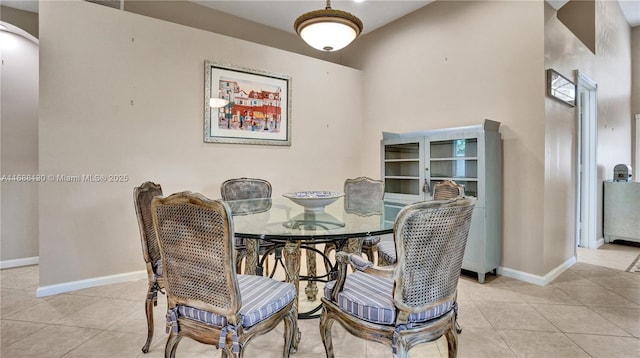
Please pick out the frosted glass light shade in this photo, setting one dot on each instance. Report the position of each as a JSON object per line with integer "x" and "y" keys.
{"x": 328, "y": 36}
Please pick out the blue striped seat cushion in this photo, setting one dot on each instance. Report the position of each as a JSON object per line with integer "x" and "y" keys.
{"x": 261, "y": 298}
{"x": 370, "y": 298}
{"x": 387, "y": 251}
{"x": 359, "y": 263}
{"x": 370, "y": 241}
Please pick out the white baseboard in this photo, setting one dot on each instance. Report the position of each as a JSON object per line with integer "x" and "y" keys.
{"x": 91, "y": 282}
{"x": 535, "y": 279}
{"x": 27, "y": 261}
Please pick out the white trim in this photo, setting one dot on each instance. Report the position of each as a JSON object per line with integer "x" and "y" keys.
{"x": 535, "y": 279}
{"x": 635, "y": 176}
{"x": 588, "y": 82}
{"x": 27, "y": 261}
{"x": 91, "y": 282}
{"x": 587, "y": 170}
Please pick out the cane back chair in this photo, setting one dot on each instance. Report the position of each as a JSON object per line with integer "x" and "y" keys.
{"x": 363, "y": 196}
{"x": 444, "y": 190}
{"x": 414, "y": 301}
{"x": 142, "y": 196}
{"x": 447, "y": 189}
{"x": 207, "y": 300}
{"x": 242, "y": 189}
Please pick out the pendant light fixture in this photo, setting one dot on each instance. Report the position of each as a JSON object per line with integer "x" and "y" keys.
{"x": 328, "y": 29}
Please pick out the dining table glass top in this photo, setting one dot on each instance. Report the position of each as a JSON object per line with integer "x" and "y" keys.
{"x": 281, "y": 219}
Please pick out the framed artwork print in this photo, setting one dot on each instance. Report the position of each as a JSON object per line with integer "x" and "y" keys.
{"x": 560, "y": 88}
{"x": 256, "y": 106}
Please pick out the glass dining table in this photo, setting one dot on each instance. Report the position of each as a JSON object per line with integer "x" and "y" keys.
{"x": 292, "y": 229}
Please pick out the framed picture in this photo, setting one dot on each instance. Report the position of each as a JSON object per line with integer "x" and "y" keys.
{"x": 560, "y": 88}
{"x": 255, "y": 106}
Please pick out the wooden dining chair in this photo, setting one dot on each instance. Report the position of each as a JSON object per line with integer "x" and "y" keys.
{"x": 363, "y": 196}
{"x": 207, "y": 300}
{"x": 142, "y": 196}
{"x": 447, "y": 189}
{"x": 444, "y": 190}
{"x": 414, "y": 301}
{"x": 242, "y": 189}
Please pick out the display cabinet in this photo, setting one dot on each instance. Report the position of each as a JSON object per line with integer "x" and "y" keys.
{"x": 471, "y": 156}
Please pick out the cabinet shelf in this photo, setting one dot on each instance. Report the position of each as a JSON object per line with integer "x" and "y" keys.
{"x": 456, "y": 179}
{"x": 401, "y": 177}
{"x": 401, "y": 160}
{"x": 452, "y": 158}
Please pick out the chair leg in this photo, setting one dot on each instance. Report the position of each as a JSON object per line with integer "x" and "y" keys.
{"x": 227, "y": 352}
{"x": 172, "y": 345}
{"x": 400, "y": 349}
{"x": 325, "y": 333}
{"x": 239, "y": 256}
{"x": 152, "y": 300}
{"x": 290, "y": 328}
{"x": 452, "y": 342}
{"x": 368, "y": 250}
{"x": 328, "y": 247}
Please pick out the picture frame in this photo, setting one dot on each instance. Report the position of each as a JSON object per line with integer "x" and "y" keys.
{"x": 561, "y": 88}
{"x": 258, "y": 109}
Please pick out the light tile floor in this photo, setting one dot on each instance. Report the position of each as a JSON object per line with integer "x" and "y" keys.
{"x": 591, "y": 310}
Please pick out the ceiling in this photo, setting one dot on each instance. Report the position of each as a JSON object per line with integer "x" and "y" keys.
{"x": 373, "y": 13}
{"x": 282, "y": 14}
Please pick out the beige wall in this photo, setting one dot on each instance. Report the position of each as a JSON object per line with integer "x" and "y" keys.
{"x": 610, "y": 68}
{"x": 123, "y": 94}
{"x": 19, "y": 149}
{"x": 457, "y": 63}
{"x": 612, "y": 72}
{"x": 561, "y": 142}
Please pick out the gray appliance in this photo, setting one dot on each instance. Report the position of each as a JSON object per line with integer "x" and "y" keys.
{"x": 622, "y": 172}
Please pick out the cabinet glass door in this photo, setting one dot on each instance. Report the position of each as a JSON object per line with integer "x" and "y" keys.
{"x": 402, "y": 168}
{"x": 457, "y": 160}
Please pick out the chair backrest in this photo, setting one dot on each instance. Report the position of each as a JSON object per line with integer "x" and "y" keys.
{"x": 430, "y": 238}
{"x": 142, "y": 196}
{"x": 247, "y": 188}
{"x": 363, "y": 196}
{"x": 446, "y": 190}
{"x": 195, "y": 237}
